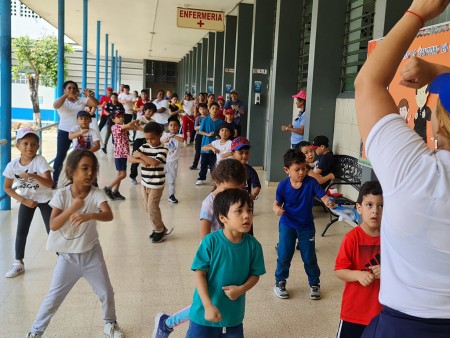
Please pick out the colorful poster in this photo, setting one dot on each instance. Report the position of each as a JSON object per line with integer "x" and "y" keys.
{"x": 416, "y": 106}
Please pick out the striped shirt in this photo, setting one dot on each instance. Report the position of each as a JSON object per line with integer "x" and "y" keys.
{"x": 153, "y": 177}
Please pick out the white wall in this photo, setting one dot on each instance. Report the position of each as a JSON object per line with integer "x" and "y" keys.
{"x": 21, "y": 96}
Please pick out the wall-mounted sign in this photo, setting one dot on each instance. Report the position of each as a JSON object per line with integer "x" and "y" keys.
{"x": 259, "y": 71}
{"x": 200, "y": 19}
{"x": 227, "y": 88}
{"x": 229, "y": 70}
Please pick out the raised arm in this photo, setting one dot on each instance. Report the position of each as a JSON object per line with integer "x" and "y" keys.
{"x": 373, "y": 100}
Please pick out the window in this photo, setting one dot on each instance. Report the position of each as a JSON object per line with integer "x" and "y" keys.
{"x": 358, "y": 32}
{"x": 19, "y": 9}
{"x": 305, "y": 37}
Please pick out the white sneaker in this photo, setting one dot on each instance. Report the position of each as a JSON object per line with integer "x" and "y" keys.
{"x": 113, "y": 330}
{"x": 16, "y": 269}
{"x": 31, "y": 335}
{"x": 200, "y": 182}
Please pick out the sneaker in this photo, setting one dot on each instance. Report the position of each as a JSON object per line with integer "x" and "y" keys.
{"x": 108, "y": 193}
{"x": 33, "y": 335}
{"x": 152, "y": 235}
{"x": 133, "y": 181}
{"x": 193, "y": 167}
{"x": 200, "y": 182}
{"x": 104, "y": 150}
{"x": 172, "y": 199}
{"x": 161, "y": 330}
{"x": 117, "y": 196}
{"x": 280, "y": 290}
{"x": 16, "y": 269}
{"x": 159, "y": 237}
{"x": 315, "y": 292}
{"x": 113, "y": 330}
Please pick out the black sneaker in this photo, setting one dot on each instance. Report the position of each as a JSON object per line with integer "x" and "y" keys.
{"x": 193, "y": 167}
{"x": 152, "y": 235}
{"x": 158, "y": 237}
{"x": 104, "y": 150}
{"x": 109, "y": 193}
{"x": 117, "y": 196}
{"x": 172, "y": 199}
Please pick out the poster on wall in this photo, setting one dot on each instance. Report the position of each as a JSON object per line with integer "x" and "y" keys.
{"x": 416, "y": 106}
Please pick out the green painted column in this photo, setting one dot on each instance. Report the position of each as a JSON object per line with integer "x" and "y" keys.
{"x": 203, "y": 70}
{"x": 229, "y": 54}
{"x": 260, "y": 59}
{"x": 198, "y": 68}
{"x": 194, "y": 71}
{"x": 210, "y": 63}
{"x": 242, "y": 56}
{"x": 218, "y": 64}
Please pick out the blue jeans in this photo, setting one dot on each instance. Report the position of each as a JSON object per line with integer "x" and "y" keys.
{"x": 62, "y": 147}
{"x": 206, "y": 160}
{"x": 200, "y": 331}
{"x": 286, "y": 249}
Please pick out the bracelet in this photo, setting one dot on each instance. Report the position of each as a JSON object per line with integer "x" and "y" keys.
{"x": 418, "y": 16}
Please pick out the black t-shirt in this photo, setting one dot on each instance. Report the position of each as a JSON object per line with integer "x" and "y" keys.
{"x": 326, "y": 164}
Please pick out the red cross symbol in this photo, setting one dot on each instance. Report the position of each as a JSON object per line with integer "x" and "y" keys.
{"x": 200, "y": 23}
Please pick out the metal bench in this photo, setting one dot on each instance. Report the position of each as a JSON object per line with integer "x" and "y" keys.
{"x": 347, "y": 171}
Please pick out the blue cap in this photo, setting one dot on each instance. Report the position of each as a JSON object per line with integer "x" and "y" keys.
{"x": 83, "y": 113}
{"x": 441, "y": 86}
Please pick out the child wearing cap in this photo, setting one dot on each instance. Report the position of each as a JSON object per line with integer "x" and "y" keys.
{"x": 229, "y": 120}
{"x": 111, "y": 108}
{"x": 82, "y": 136}
{"x": 222, "y": 146}
{"x": 32, "y": 175}
{"x": 221, "y": 103}
{"x": 325, "y": 162}
{"x": 240, "y": 148}
{"x": 121, "y": 153}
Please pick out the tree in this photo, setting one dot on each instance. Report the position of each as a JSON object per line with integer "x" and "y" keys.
{"x": 38, "y": 60}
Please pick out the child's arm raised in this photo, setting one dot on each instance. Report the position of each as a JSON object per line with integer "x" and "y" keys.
{"x": 212, "y": 313}
{"x": 234, "y": 292}
{"x": 364, "y": 278}
{"x": 74, "y": 135}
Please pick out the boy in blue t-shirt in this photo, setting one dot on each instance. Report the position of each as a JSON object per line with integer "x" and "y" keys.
{"x": 227, "y": 264}
{"x": 294, "y": 202}
{"x": 208, "y": 131}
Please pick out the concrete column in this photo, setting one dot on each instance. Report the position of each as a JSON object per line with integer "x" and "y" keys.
{"x": 97, "y": 63}
{"x": 187, "y": 84}
{"x": 61, "y": 25}
{"x": 242, "y": 56}
{"x": 387, "y": 13}
{"x": 260, "y": 59}
{"x": 209, "y": 84}
{"x": 229, "y": 54}
{"x": 283, "y": 84}
{"x": 85, "y": 45}
{"x": 204, "y": 68}
{"x": 198, "y": 75}
{"x": 194, "y": 70}
{"x": 324, "y": 70}
{"x": 218, "y": 64}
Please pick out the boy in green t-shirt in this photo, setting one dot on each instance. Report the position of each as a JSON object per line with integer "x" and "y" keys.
{"x": 227, "y": 264}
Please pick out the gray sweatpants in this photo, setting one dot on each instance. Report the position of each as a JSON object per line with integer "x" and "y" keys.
{"x": 171, "y": 169}
{"x": 69, "y": 268}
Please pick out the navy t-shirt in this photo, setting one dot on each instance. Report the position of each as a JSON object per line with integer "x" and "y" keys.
{"x": 326, "y": 164}
{"x": 298, "y": 203}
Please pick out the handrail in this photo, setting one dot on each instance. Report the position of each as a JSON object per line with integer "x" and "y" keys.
{"x": 39, "y": 129}
{"x": 3, "y": 142}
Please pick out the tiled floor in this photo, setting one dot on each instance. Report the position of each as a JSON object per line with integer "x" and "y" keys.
{"x": 148, "y": 278}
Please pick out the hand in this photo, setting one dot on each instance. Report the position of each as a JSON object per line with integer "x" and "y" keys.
{"x": 76, "y": 220}
{"x": 417, "y": 73}
{"x": 330, "y": 203}
{"x": 211, "y": 134}
{"x": 29, "y": 203}
{"x": 84, "y": 132}
{"x": 212, "y": 314}
{"x": 376, "y": 270}
{"x": 137, "y": 154}
{"x": 428, "y": 9}
{"x": 284, "y": 128}
{"x": 232, "y": 291}
{"x": 77, "y": 203}
{"x": 24, "y": 176}
{"x": 87, "y": 92}
{"x": 365, "y": 278}
{"x": 278, "y": 210}
{"x": 216, "y": 151}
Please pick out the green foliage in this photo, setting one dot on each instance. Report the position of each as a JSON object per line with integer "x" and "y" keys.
{"x": 39, "y": 57}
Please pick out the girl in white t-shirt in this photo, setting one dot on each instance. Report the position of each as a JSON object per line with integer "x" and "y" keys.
{"x": 32, "y": 175}
{"x": 76, "y": 210}
{"x": 221, "y": 147}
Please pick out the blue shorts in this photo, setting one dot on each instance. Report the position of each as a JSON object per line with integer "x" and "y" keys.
{"x": 121, "y": 164}
{"x": 200, "y": 331}
{"x": 391, "y": 323}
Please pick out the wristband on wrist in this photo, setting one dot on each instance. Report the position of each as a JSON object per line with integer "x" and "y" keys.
{"x": 422, "y": 22}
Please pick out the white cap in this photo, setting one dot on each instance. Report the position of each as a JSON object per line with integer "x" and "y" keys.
{"x": 20, "y": 133}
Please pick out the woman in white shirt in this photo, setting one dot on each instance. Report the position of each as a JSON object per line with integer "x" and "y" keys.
{"x": 415, "y": 230}
{"x": 68, "y": 105}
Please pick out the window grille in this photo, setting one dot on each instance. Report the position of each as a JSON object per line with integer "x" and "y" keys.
{"x": 305, "y": 38}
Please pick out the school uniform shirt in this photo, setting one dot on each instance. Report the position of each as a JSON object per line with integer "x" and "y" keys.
{"x": 153, "y": 177}
{"x": 207, "y": 212}
{"x": 173, "y": 145}
{"x": 144, "y": 121}
{"x": 30, "y": 188}
{"x": 359, "y": 251}
{"x": 298, "y": 203}
{"x": 161, "y": 118}
{"x": 223, "y": 149}
{"x": 415, "y": 239}
{"x": 121, "y": 146}
{"x": 225, "y": 263}
{"x": 85, "y": 141}
{"x": 75, "y": 239}
{"x": 297, "y": 123}
{"x": 209, "y": 125}
{"x": 68, "y": 113}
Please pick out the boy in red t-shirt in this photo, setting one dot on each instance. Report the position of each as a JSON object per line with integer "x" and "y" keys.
{"x": 358, "y": 264}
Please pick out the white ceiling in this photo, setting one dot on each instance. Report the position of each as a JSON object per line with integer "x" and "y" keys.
{"x": 129, "y": 24}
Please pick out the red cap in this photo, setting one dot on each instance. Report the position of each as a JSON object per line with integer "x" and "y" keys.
{"x": 220, "y": 98}
{"x": 109, "y": 89}
{"x": 300, "y": 95}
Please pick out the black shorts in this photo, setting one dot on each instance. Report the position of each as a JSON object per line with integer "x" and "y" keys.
{"x": 121, "y": 164}
{"x": 350, "y": 330}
